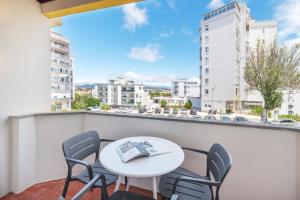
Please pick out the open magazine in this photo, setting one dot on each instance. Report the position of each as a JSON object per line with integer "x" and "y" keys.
{"x": 133, "y": 149}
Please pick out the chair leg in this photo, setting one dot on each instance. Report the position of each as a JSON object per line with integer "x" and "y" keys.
{"x": 126, "y": 182}
{"x": 68, "y": 179}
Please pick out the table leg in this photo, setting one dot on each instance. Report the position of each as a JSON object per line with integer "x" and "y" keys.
{"x": 118, "y": 184}
{"x": 128, "y": 184}
{"x": 154, "y": 188}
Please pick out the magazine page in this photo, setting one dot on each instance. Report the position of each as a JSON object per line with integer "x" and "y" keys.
{"x": 155, "y": 148}
{"x": 130, "y": 150}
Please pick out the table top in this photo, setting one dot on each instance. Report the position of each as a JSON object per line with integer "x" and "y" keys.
{"x": 145, "y": 166}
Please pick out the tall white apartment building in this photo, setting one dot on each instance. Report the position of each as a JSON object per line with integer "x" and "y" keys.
{"x": 226, "y": 34}
{"x": 186, "y": 88}
{"x": 122, "y": 92}
{"x": 62, "y": 66}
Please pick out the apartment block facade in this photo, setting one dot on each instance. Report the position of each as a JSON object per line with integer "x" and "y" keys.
{"x": 185, "y": 88}
{"x": 62, "y": 69}
{"x": 121, "y": 92}
{"x": 225, "y": 36}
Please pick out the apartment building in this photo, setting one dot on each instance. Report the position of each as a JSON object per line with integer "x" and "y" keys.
{"x": 121, "y": 92}
{"x": 290, "y": 104}
{"x": 225, "y": 36}
{"x": 62, "y": 66}
{"x": 186, "y": 88}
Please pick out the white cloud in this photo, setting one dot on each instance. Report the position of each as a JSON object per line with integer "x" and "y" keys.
{"x": 214, "y": 4}
{"x": 134, "y": 16}
{"x": 166, "y": 34}
{"x": 287, "y": 14}
{"x": 172, "y": 5}
{"x": 148, "y": 53}
{"x": 186, "y": 32}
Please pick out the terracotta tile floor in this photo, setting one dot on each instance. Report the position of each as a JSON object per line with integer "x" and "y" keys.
{"x": 51, "y": 191}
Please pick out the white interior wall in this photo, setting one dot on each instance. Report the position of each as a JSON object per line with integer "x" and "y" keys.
{"x": 24, "y": 70}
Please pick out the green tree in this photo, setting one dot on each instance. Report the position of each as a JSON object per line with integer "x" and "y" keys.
{"x": 84, "y": 101}
{"x": 139, "y": 104}
{"x": 91, "y": 101}
{"x": 159, "y": 94}
{"x": 163, "y": 103}
{"x": 270, "y": 69}
{"x": 188, "y": 104}
{"x": 105, "y": 107}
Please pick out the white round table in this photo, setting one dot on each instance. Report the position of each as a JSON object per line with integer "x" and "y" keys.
{"x": 153, "y": 166}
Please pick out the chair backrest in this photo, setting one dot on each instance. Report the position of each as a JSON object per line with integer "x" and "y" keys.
{"x": 82, "y": 145}
{"x": 218, "y": 162}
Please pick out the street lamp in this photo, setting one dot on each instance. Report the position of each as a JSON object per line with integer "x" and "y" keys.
{"x": 212, "y": 99}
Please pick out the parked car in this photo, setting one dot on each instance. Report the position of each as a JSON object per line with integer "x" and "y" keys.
{"x": 94, "y": 109}
{"x": 287, "y": 121}
{"x": 210, "y": 117}
{"x": 240, "y": 119}
{"x": 193, "y": 112}
{"x": 157, "y": 111}
{"x": 225, "y": 119}
{"x": 167, "y": 110}
{"x": 150, "y": 111}
{"x": 142, "y": 110}
{"x": 175, "y": 111}
{"x": 183, "y": 111}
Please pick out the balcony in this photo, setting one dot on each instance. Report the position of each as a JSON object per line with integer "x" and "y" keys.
{"x": 262, "y": 154}
{"x": 266, "y": 159}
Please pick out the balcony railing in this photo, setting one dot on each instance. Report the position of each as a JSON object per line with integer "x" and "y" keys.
{"x": 221, "y": 10}
{"x": 266, "y": 159}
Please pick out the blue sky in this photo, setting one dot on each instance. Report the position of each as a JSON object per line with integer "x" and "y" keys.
{"x": 155, "y": 41}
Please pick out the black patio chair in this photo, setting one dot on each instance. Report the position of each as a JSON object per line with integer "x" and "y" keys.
{"x": 119, "y": 195}
{"x": 79, "y": 147}
{"x": 191, "y": 186}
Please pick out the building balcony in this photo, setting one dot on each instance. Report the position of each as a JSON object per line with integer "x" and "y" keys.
{"x": 266, "y": 158}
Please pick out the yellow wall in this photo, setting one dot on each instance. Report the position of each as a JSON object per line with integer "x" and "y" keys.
{"x": 83, "y": 7}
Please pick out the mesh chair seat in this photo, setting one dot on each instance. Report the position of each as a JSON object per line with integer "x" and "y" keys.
{"x": 191, "y": 186}
{"x": 184, "y": 190}
{"x": 98, "y": 169}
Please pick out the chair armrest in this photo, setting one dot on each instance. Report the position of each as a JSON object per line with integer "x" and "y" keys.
{"x": 86, "y": 188}
{"x": 195, "y": 150}
{"x": 195, "y": 180}
{"x": 106, "y": 140}
{"x": 84, "y": 163}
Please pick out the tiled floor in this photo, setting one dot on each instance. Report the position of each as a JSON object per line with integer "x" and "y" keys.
{"x": 51, "y": 191}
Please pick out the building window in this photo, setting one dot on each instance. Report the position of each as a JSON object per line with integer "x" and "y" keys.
{"x": 206, "y": 39}
{"x": 206, "y": 60}
{"x": 206, "y": 81}
{"x": 206, "y": 28}
{"x": 206, "y": 49}
{"x": 206, "y": 70}
{"x": 206, "y": 91}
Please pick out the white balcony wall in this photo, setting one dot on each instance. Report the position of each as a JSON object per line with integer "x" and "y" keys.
{"x": 24, "y": 70}
{"x": 266, "y": 162}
